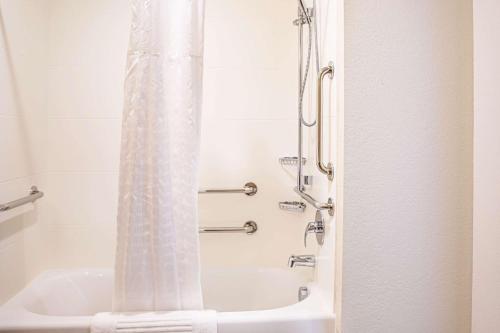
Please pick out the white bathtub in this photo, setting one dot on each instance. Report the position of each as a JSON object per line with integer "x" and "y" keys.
{"x": 246, "y": 300}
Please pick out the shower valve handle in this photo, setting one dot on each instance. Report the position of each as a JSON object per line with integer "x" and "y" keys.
{"x": 317, "y": 227}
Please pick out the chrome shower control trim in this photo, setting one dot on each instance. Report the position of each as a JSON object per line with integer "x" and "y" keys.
{"x": 317, "y": 227}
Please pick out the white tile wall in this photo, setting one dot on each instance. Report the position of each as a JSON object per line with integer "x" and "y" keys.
{"x": 257, "y": 33}
{"x": 23, "y": 63}
{"x": 12, "y": 257}
{"x": 249, "y": 92}
{"x": 81, "y": 145}
{"x": 15, "y": 148}
{"x": 249, "y": 121}
{"x": 87, "y": 53}
{"x": 250, "y": 152}
{"x": 92, "y": 201}
{"x": 253, "y": 113}
{"x": 325, "y": 272}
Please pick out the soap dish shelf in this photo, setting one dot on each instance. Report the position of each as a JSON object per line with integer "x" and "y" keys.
{"x": 292, "y": 206}
{"x": 291, "y": 161}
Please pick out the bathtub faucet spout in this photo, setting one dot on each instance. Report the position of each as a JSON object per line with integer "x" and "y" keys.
{"x": 302, "y": 260}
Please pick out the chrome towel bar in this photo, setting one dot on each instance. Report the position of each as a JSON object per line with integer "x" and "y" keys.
{"x": 248, "y": 189}
{"x": 249, "y": 228}
{"x": 32, "y": 197}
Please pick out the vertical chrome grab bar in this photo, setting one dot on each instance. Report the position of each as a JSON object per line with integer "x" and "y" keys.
{"x": 326, "y": 169}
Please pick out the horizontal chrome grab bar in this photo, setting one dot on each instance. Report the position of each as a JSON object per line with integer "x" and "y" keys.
{"x": 329, "y": 206}
{"x": 32, "y": 197}
{"x": 249, "y": 189}
{"x": 249, "y": 228}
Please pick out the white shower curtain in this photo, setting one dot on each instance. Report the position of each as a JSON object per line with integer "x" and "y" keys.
{"x": 157, "y": 258}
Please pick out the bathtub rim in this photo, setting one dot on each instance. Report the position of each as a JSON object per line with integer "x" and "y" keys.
{"x": 314, "y": 307}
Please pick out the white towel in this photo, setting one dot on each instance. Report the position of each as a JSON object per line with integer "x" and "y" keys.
{"x": 157, "y": 322}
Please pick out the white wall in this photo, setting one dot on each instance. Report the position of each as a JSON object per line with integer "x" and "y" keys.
{"x": 249, "y": 121}
{"x": 87, "y": 52}
{"x": 408, "y": 166}
{"x": 323, "y": 188}
{"x": 486, "y": 278}
{"x": 23, "y": 60}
